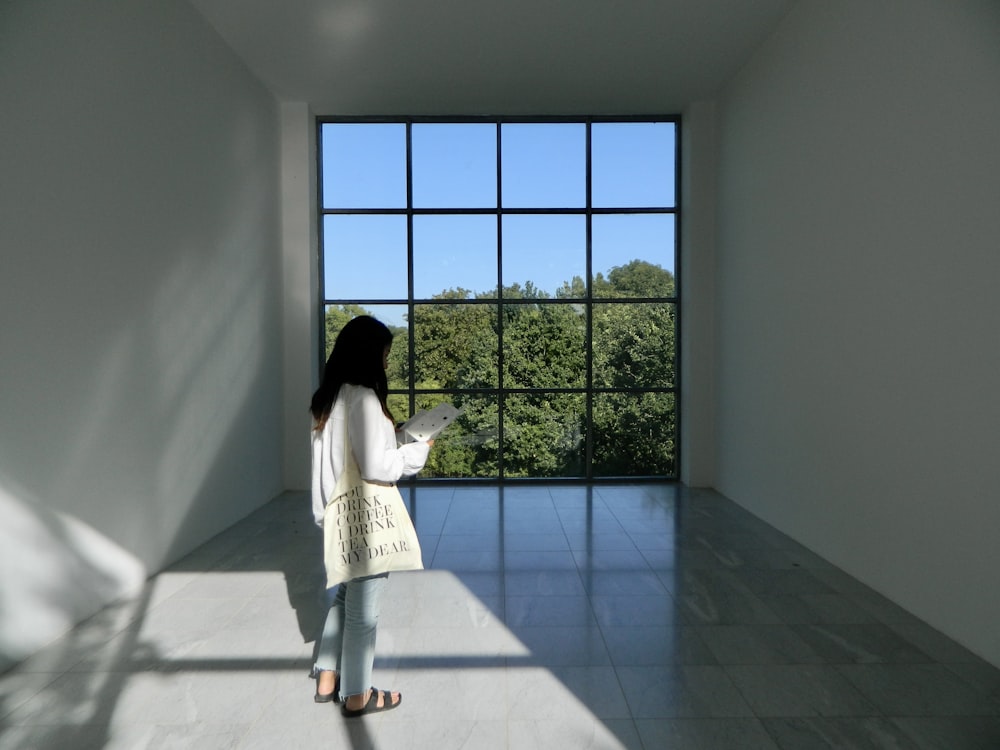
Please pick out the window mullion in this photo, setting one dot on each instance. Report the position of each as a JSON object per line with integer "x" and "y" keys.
{"x": 536, "y": 382}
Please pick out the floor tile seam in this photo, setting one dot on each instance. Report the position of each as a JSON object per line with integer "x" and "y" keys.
{"x": 69, "y": 665}
{"x": 566, "y": 532}
{"x": 423, "y": 548}
{"x": 111, "y": 723}
{"x": 585, "y": 568}
{"x": 130, "y": 629}
{"x": 879, "y": 658}
{"x": 940, "y": 715}
{"x": 441, "y": 533}
{"x": 151, "y": 607}
{"x": 798, "y": 628}
{"x": 569, "y": 544}
{"x": 247, "y": 729}
{"x": 546, "y": 597}
{"x": 902, "y": 665}
{"x": 624, "y": 693}
{"x": 858, "y": 694}
{"x": 913, "y": 642}
{"x": 746, "y": 711}
{"x": 34, "y": 693}
{"x": 974, "y": 689}
{"x": 774, "y": 737}
{"x": 447, "y": 514}
{"x": 991, "y": 694}
{"x": 877, "y": 610}
{"x": 188, "y": 661}
{"x": 837, "y": 717}
{"x": 614, "y": 667}
{"x": 665, "y": 597}
{"x": 891, "y": 715}
{"x": 702, "y": 630}
{"x": 238, "y": 604}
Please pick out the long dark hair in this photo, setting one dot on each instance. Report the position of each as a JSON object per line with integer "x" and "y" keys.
{"x": 357, "y": 359}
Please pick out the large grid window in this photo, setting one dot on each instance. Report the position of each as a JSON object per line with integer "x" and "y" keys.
{"x": 527, "y": 269}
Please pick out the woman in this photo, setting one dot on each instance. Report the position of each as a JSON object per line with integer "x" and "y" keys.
{"x": 354, "y": 390}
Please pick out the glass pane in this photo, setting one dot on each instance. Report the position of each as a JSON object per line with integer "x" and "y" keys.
{"x": 469, "y": 447}
{"x": 454, "y": 165}
{"x": 467, "y": 253}
{"x": 635, "y": 434}
{"x": 543, "y": 255}
{"x": 364, "y": 257}
{"x": 634, "y": 345}
{"x": 544, "y": 435}
{"x": 454, "y": 256}
{"x": 632, "y": 164}
{"x": 455, "y": 346}
{"x": 633, "y": 255}
{"x": 544, "y": 346}
{"x": 394, "y": 316}
{"x": 364, "y": 165}
{"x": 399, "y": 405}
{"x": 544, "y": 165}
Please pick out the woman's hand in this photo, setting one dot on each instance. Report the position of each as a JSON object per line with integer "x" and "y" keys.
{"x": 430, "y": 442}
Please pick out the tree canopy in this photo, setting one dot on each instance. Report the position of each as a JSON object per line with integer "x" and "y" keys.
{"x": 465, "y": 343}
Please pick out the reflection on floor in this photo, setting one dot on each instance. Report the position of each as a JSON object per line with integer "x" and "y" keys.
{"x": 626, "y": 616}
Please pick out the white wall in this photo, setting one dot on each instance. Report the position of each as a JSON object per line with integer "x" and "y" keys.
{"x": 301, "y": 286}
{"x": 858, "y": 364}
{"x": 140, "y": 294}
{"x": 697, "y": 285}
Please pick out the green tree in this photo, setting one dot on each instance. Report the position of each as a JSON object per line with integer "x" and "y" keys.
{"x": 633, "y": 345}
{"x": 634, "y": 348}
{"x": 455, "y": 345}
{"x": 634, "y": 434}
{"x": 544, "y": 346}
{"x": 637, "y": 278}
{"x": 544, "y": 435}
{"x": 572, "y": 289}
{"x": 457, "y": 348}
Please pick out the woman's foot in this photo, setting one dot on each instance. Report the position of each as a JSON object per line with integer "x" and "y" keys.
{"x": 371, "y": 701}
{"x": 326, "y": 687}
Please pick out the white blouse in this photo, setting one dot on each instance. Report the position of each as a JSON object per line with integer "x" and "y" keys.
{"x": 373, "y": 439}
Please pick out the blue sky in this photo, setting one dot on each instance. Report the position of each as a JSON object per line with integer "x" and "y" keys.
{"x": 455, "y": 166}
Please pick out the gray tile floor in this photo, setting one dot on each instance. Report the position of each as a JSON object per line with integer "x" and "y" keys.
{"x": 627, "y": 616}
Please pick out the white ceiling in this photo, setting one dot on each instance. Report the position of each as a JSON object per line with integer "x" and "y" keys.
{"x": 494, "y": 57}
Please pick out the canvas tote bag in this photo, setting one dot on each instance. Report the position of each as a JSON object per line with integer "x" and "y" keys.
{"x": 366, "y": 528}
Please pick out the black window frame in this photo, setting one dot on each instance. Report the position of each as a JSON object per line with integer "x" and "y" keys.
{"x": 499, "y": 302}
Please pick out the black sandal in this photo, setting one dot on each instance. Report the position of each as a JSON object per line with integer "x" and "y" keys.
{"x": 372, "y": 706}
{"x": 333, "y": 697}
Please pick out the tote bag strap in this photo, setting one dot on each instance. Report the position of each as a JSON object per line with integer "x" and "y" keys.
{"x": 350, "y": 474}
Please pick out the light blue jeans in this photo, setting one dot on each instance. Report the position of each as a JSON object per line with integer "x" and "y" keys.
{"x": 347, "y": 641}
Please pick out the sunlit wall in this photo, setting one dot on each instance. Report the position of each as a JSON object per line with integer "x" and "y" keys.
{"x": 140, "y": 348}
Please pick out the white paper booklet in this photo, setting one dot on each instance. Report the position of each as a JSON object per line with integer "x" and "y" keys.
{"x": 425, "y": 425}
